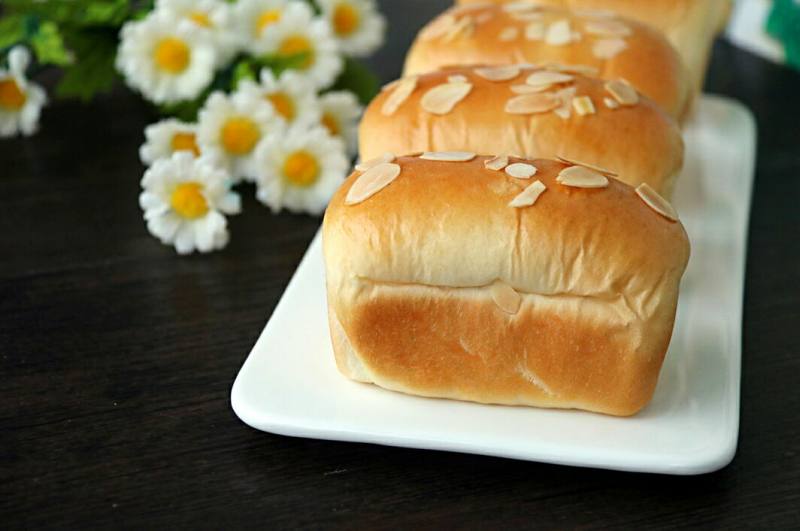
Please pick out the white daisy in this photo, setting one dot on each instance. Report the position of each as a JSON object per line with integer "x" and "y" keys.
{"x": 21, "y": 101}
{"x": 164, "y": 59}
{"x": 300, "y": 170}
{"x": 212, "y": 16}
{"x": 299, "y": 33}
{"x": 340, "y": 114}
{"x": 254, "y": 17}
{"x": 184, "y": 199}
{"x": 164, "y": 138}
{"x": 357, "y": 25}
{"x": 293, "y": 97}
{"x": 230, "y": 127}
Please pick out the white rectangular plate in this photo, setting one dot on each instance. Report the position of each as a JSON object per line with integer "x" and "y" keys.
{"x": 290, "y": 385}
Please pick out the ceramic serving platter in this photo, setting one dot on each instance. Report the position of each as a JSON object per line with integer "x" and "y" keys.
{"x": 289, "y": 384}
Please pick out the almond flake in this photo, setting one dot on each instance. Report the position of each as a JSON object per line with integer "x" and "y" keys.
{"x": 496, "y": 163}
{"x": 559, "y": 33}
{"x": 563, "y": 111}
{"x": 581, "y": 177}
{"x": 608, "y": 48}
{"x": 528, "y": 89}
{"x": 400, "y": 94}
{"x": 386, "y": 157}
{"x": 611, "y": 103}
{"x": 622, "y": 92}
{"x": 520, "y": 6}
{"x": 583, "y": 105}
{"x": 508, "y": 34}
{"x": 543, "y": 77}
{"x": 564, "y": 96}
{"x": 505, "y": 297}
{"x": 390, "y": 85}
{"x": 607, "y": 28}
{"x": 498, "y": 73}
{"x": 535, "y": 31}
{"x": 652, "y": 199}
{"x": 371, "y": 182}
{"x": 521, "y": 170}
{"x": 531, "y": 103}
{"x": 438, "y": 27}
{"x": 598, "y": 169}
{"x": 527, "y": 16}
{"x": 457, "y": 78}
{"x": 448, "y": 156}
{"x": 529, "y": 195}
{"x": 464, "y": 27}
{"x": 595, "y": 13}
{"x": 585, "y": 70}
{"x": 441, "y": 99}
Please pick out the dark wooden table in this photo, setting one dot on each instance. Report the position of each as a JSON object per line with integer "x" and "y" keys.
{"x": 118, "y": 357}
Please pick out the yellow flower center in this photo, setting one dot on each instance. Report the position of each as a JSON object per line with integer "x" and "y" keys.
{"x": 11, "y": 96}
{"x": 283, "y": 104}
{"x": 301, "y": 169}
{"x": 200, "y": 18}
{"x": 267, "y": 18}
{"x": 331, "y": 124}
{"x": 240, "y": 135}
{"x": 185, "y": 142}
{"x": 295, "y": 45}
{"x": 188, "y": 200}
{"x": 172, "y": 55}
{"x": 346, "y": 19}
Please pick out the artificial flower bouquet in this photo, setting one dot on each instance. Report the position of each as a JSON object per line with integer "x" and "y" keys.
{"x": 265, "y": 91}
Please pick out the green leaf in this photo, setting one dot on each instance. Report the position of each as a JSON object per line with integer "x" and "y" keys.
{"x": 280, "y": 63}
{"x": 93, "y": 70}
{"x": 74, "y": 12}
{"x": 243, "y": 70}
{"x": 49, "y": 47}
{"x": 12, "y": 30}
{"x": 357, "y": 78}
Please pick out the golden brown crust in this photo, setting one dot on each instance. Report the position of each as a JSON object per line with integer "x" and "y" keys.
{"x": 410, "y": 273}
{"x": 690, "y": 25}
{"x": 480, "y": 123}
{"x": 648, "y": 61}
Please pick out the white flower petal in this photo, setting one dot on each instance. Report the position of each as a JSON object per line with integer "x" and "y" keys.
{"x": 184, "y": 239}
{"x": 18, "y": 60}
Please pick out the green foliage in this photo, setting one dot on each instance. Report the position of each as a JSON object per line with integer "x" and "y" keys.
{"x": 12, "y": 30}
{"x": 48, "y": 45}
{"x": 78, "y": 35}
{"x": 85, "y": 13}
{"x": 280, "y": 63}
{"x": 244, "y": 69}
{"x": 357, "y": 78}
{"x": 93, "y": 71}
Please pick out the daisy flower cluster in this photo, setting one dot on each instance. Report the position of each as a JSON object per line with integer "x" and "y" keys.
{"x": 262, "y": 71}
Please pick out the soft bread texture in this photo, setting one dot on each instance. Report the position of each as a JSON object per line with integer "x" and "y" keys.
{"x": 413, "y": 274}
{"x": 690, "y": 25}
{"x": 648, "y": 61}
{"x": 640, "y": 143}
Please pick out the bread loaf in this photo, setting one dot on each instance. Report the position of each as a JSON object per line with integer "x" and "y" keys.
{"x": 519, "y": 282}
{"x": 613, "y": 47}
{"x": 690, "y": 25}
{"x": 484, "y": 110}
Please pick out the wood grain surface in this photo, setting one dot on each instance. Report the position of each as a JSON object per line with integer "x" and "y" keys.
{"x": 118, "y": 357}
